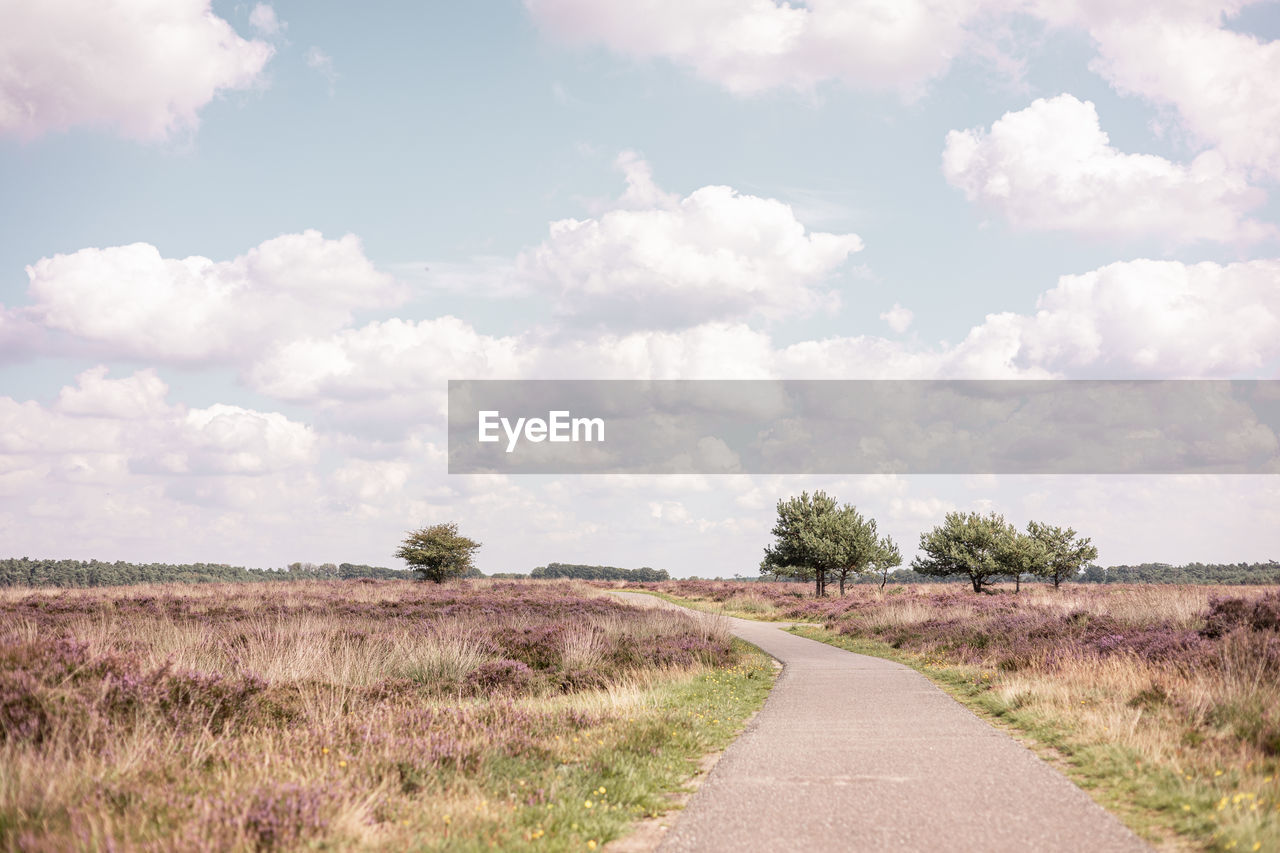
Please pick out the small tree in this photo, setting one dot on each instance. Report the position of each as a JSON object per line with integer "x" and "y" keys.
{"x": 1019, "y": 555}
{"x": 843, "y": 543}
{"x": 1066, "y": 551}
{"x": 887, "y": 557}
{"x": 438, "y": 552}
{"x": 816, "y": 538}
{"x": 797, "y": 551}
{"x": 964, "y": 544}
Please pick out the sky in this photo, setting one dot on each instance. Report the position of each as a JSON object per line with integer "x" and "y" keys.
{"x": 244, "y": 246}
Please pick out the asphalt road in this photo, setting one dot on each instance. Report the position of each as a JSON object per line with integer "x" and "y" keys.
{"x": 858, "y": 753}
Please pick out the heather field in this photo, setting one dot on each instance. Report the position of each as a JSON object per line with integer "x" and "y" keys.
{"x": 371, "y": 714}
{"x": 1164, "y": 701}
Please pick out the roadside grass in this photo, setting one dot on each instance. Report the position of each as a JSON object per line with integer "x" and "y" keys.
{"x": 348, "y": 715}
{"x": 589, "y": 788}
{"x": 1111, "y": 728}
{"x": 743, "y": 606}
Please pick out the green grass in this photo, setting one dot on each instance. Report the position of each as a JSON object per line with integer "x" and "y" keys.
{"x": 592, "y": 788}
{"x": 1169, "y": 808}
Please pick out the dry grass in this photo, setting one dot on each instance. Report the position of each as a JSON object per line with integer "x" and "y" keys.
{"x": 247, "y": 717}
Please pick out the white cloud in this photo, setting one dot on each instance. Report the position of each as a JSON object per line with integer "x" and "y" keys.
{"x": 264, "y": 20}
{"x": 143, "y": 67}
{"x": 386, "y": 358}
{"x": 113, "y": 428}
{"x": 1158, "y": 319}
{"x": 142, "y": 395}
{"x": 750, "y": 46}
{"x": 1173, "y": 53}
{"x": 660, "y": 261}
{"x": 1222, "y": 83}
{"x": 898, "y": 318}
{"x": 1135, "y": 319}
{"x": 1051, "y": 167}
{"x": 130, "y": 301}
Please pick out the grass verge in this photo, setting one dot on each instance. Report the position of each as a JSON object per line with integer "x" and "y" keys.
{"x": 590, "y": 787}
{"x": 1173, "y": 796}
{"x": 742, "y": 606}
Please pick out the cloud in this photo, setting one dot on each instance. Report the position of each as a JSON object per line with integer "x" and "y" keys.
{"x": 321, "y": 63}
{"x": 757, "y": 45}
{"x": 1051, "y": 167}
{"x": 898, "y": 318}
{"x": 131, "y": 302}
{"x": 105, "y": 429}
{"x": 263, "y": 19}
{"x": 144, "y": 68}
{"x": 1133, "y": 319}
{"x": 655, "y": 260}
{"x": 1220, "y": 82}
{"x": 385, "y": 358}
{"x": 1178, "y": 54}
{"x": 1157, "y": 319}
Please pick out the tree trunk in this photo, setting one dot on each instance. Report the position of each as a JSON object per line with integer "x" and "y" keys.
{"x": 1017, "y": 583}
{"x": 884, "y": 578}
{"x": 977, "y": 583}
{"x": 842, "y": 586}
{"x": 1056, "y": 580}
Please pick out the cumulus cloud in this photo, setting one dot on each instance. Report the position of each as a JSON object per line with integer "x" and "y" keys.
{"x": 142, "y": 67}
{"x": 1220, "y": 82}
{"x": 1178, "y": 54}
{"x": 109, "y": 428}
{"x": 1159, "y": 319}
{"x": 1135, "y": 319}
{"x": 660, "y": 261}
{"x": 1052, "y": 167}
{"x": 131, "y": 301}
{"x": 898, "y": 318}
{"x": 754, "y": 46}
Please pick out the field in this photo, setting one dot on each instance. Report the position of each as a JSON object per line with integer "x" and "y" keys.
{"x": 368, "y": 714}
{"x": 1164, "y": 701}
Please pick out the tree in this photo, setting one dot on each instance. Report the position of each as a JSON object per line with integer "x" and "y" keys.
{"x": 1019, "y": 555}
{"x": 888, "y": 557}
{"x": 964, "y": 544}
{"x": 817, "y": 538}
{"x": 438, "y": 552}
{"x": 1066, "y": 551}
{"x": 795, "y": 551}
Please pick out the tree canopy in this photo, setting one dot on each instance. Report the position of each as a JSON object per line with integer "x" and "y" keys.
{"x": 1066, "y": 552}
{"x": 966, "y": 544}
{"x": 815, "y": 537}
{"x": 438, "y": 552}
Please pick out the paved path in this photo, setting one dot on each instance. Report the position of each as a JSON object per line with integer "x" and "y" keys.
{"x": 858, "y": 753}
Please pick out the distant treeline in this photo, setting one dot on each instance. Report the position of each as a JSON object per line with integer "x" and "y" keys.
{"x": 599, "y": 573}
{"x": 78, "y": 573}
{"x": 1208, "y": 573}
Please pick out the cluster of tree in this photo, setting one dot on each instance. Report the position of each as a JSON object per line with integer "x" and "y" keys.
{"x": 89, "y": 573}
{"x": 599, "y": 573}
{"x": 984, "y": 548}
{"x": 816, "y": 538}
